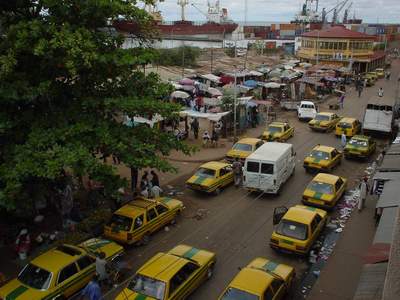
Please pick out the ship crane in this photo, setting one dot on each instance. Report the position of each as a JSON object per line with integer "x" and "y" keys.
{"x": 346, "y": 13}
{"x": 337, "y": 9}
{"x": 182, "y": 4}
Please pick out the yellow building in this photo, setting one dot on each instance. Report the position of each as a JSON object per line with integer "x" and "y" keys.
{"x": 339, "y": 46}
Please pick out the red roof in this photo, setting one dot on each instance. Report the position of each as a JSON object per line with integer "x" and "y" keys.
{"x": 338, "y": 32}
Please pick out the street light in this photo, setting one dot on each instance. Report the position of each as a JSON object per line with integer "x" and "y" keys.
{"x": 234, "y": 107}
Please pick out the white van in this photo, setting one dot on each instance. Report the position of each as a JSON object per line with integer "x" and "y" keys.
{"x": 307, "y": 110}
{"x": 268, "y": 168}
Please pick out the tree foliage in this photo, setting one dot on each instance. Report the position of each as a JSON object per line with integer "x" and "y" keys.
{"x": 65, "y": 85}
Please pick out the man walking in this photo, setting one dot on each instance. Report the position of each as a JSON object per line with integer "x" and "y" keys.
{"x": 343, "y": 140}
{"x": 92, "y": 291}
{"x": 195, "y": 128}
{"x": 380, "y": 92}
{"x": 360, "y": 89}
{"x": 237, "y": 171}
{"x": 363, "y": 193}
{"x": 341, "y": 101}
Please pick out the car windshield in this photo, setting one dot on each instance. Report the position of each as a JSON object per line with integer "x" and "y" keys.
{"x": 322, "y": 117}
{"x": 292, "y": 229}
{"x": 320, "y": 187}
{"x": 35, "y": 277}
{"x": 275, "y": 129}
{"x": 319, "y": 154}
{"x": 236, "y": 294}
{"x": 203, "y": 172}
{"x": 121, "y": 222}
{"x": 242, "y": 147}
{"x": 147, "y": 286}
{"x": 358, "y": 143}
{"x": 344, "y": 125}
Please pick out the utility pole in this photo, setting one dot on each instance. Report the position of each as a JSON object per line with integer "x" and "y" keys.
{"x": 212, "y": 58}
{"x": 234, "y": 107}
{"x": 183, "y": 59}
{"x": 317, "y": 62}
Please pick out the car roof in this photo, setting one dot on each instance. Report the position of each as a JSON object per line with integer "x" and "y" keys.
{"x": 326, "y": 178}
{"x": 301, "y": 214}
{"x": 270, "y": 151}
{"x": 56, "y": 258}
{"x": 251, "y": 141}
{"x": 307, "y": 102}
{"x": 163, "y": 266}
{"x": 361, "y": 137}
{"x": 252, "y": 280}
{"x": 324, "y": 148}
{"x": 214, "y": 165}
{"x": 325, "y": 113}
{"x": 278, "y": 124}
{"x": 348, "y": 120}
{"x": 134, "y": 207}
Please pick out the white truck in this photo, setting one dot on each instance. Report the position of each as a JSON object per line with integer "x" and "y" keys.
{"x": 269, "y": 167}
{"x": 306, "y": 110}
{"x": 379, "y": 116}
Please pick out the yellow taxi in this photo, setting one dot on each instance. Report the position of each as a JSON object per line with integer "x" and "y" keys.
{"x": 372, "y": 75}
{"x": 324, "y": 121}
{"x": 348, "y": 126}
{"x": 60, "y": 272}
{"x": 134, "y": 222}
{"x": 324, "y": 190}
{"x": 380, "y": 72}
{"x": 360, "y": 146}
{"x": 170, "y": 276}
{"x": 278, "y": 132}
{"x": 370, "y": 80}
{"x": 322, "y": 158}
{"x": 297, "y": 228}
{"x": 243, "y": 148}
{"x": 261, "y": 279}
{"x": 211, "y": 177}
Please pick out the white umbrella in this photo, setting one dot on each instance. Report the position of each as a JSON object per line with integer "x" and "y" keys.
{"x": 180, "y": 94}
{"x": 272, "y": 85}
{"x": 214, "y": 92}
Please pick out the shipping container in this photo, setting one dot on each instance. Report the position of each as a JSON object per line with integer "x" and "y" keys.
{"x": 287, "y": 33}
{"x": 287, "y": 26}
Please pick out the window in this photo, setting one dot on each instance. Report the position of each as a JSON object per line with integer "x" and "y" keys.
{"x": 119, "y": 222}
{"x": 151, "y": 214}
{"x": 320, "y": 187}
{"x": 267, "y": 168}
{"x": 161, "y": 209}
{"x": 292, "y": 229}
{"x": 259, "y": 144}
{"x": 138, "y": 222}
{"x": 318, "y": 218}
{"x": 253, "y": 167}
{"x": 147, "y": 286}
{"x": 334, "y": 153}
{"x": 203, "y": 172}
{"x": 223, "y": 172}
{"x": 314, "y": 225}
{"x": 339, "y": 184}
{"x": 67, "y": 273}
{"x": 242, "y": 147}
{"x": 268, "y": 294}
{"x": 276, "y": 285}
{"x": 181, "y": 276}
{"x": 35, "y": 277}
{"x": 85, "y": 262}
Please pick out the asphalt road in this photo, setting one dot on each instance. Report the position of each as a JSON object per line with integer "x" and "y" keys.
{"x": 236, "y": 224}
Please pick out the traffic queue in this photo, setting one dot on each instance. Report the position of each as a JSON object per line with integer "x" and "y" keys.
{"x": 267, "y": 164}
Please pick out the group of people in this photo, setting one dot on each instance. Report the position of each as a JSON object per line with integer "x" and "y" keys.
{"x": 150, "y": 187}
{"x": 214, "y": 137}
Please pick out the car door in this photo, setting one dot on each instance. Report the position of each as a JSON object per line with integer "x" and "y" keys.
{"x": 226, "y": 175}
{"x": 87, "y": 267}
{"x": 339, "y": 187}
{"x": 335, "y": 156}
{"x": 315, "y": 228}
{"x": 68, "y": 280}
{"x": 164, "y": 214}
{"x": 252, "y": 174}
{"x": 152, "y": 219}
{"x": 286, "y": 132}
{"x": 269, "y": 294}
{"x": 278, "y": 288}
{"x": 187, "y": 279}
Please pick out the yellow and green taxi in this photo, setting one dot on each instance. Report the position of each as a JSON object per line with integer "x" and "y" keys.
{"x": 170, "y": 276}
{"x": 372, "y": 75}
{"x": 261, "y": 279}
{"x": 243, "y": 148}
{"x": 60, "y": 272}
{"x": 297, "y": 228}
{"x": 322, "y": 158}
{"x": 211, "y": 177}
{"x": 380, "y": 72}
{"x": 138, "y": 219}
{"x": 360, "y": 146}
{"x": 324, "y": 121}
{"x": 348, "y": 126}
{"x": 324, "y": 190}
{"x": 278, "y": 132}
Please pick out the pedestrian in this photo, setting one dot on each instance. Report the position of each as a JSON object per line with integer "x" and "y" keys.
{"x": 155, "y": 181}
{"x": 206, "y": 138}
{"x": 23, "y": 244}
{"x": 343, "y": 140}
{"x": 195, "y": 128}
{"x": 134, "y": 178}
{"x": 214, "y": 137}
{"x": 341, "y": 101}
{"x": 237, "y": 171}
{"x": 363, "y": 193}
{"x": 101, "y": 271}
{"x": 360, "y": 89}
{"x": 144, "y": 181}
{"x": 380, "y": 92}
{"x": 92, "y": 291}
{"x": 365, "y": 83}
{"x": 156, "y": 191}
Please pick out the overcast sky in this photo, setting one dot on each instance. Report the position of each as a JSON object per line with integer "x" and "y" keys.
{"x": 371, "y": 11}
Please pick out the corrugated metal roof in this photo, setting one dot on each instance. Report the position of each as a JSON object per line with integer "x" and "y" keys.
{"x": 370, "y": 286}
{"x": 390, "y": 163}
{"x": 338, "y": 32}
{"x": 384, "y": 232}
{"x": 390, "y": 195}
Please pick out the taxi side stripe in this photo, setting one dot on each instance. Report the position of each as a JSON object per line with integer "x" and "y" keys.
{"x": 16, "y": 293}
{"x": 318, "y": 195}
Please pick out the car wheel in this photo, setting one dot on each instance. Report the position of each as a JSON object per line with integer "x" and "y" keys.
{"x": 145, "y": 239}
{"x": 210, "y": 271}
{"x": 217, "y": 191}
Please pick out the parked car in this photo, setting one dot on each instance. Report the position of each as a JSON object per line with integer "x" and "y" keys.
{"x": 348, "y": 126}
{"x": 134, "y": 222}
{"x": 211, "y": 177}
{"x": 380, "y": 72}
{"x": 360, "y": 146}
{"x": 243, "y": 148}
{"x": 324, "y": 121}
{"x": 171, "y": 276}
{"x": 307, "y": 110}
{"x": 324, "y": 191}
{"x": 278, "y": 132}
{"x": 60, "y": 272}
{"x": 322, "y": 158}
{"x": 260, "y": 279}
{"x": 297, "y": 228}
{"x": 269, "y": 167}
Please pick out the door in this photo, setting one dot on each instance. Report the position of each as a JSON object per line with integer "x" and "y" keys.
{"x": 278, "y": 288}
{"x": 152, "y": 220}
{"x": 87, "y": 267}
{"x": 185, "y": 281}
{"x": 225, "y": 175}
{"x": 68, "y": 280}
{"x": 335, "y": 156}
{"x": 268, "y": 179}
{"x": 279, "y": 212}
{"x": 164, "y": 214}
{"x": 252, "y": 175}
{"x": 315, "y": 228}
{"x": 339, "y": 187}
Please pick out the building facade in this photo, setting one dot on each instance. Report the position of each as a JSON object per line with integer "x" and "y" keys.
{"x": 342, "y": 47}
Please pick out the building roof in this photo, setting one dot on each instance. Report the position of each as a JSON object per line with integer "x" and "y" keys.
{"x": 338, "y": 32}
